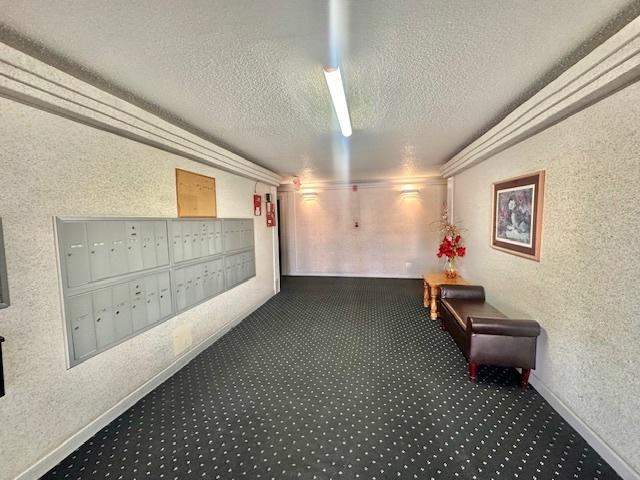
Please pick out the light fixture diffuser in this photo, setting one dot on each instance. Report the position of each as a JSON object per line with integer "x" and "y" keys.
{"x": 409, "y": 191}
{"x": 336, "y": 89}
{"x": 308, "y": 195}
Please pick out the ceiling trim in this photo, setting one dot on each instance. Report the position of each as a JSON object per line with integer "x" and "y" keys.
{"x": 608, "y": 68}
{"x": 30, "y": 81}
{"x": 388, "y": 182}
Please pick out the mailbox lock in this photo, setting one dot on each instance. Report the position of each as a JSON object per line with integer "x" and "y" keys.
{"x": 97, "y": 319}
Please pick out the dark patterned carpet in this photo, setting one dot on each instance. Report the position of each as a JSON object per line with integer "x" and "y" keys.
{"x": 337, "y": 379}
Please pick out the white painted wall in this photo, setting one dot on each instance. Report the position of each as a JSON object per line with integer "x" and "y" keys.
{"x": 584, "y": 291}
{"x": 396, "y": 236}
{"x": 52, "y": 166}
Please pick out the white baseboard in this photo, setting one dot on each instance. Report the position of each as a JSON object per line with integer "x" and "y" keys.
{"x": 347, "y": 275}
{"x": 623, "y": 469}
{"x": 72, "y": 443}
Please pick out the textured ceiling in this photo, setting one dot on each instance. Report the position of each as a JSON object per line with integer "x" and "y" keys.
{"x": 423, "y": 79}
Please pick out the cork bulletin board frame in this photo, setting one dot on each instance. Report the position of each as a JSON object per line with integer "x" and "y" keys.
{"x": 196, "y": 195}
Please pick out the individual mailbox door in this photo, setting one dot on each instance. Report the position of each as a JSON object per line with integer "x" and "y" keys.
{"x": 219, "y": 268}
{"x": 250, "y": 238}
{"x": 122, "y": 311}
{"x": 204, "y": 238}
{"x": 98, "y": 237}
{"x": 134, "y": 246}
{"x": 80, "y": 311}
{"x": 118, "y": 263}
{"x": 148, "y": 234}
{"x": 162, "y": 247}
{"x": 176, "y": 241}
{"x": 235, "y": 237}
{"x": 230, "y": 271}
{"x": 245, "y": 233}
{"x": 217, "y": 273}
{"x": 153, "y": 299}
{"x": 181, "y": 297}
{"x": 211, "y": 237}
{"x": 76, "y": 255}
{"x": 228, "y": 241}
{"x": 187, "y": 240}
{"x": 196, "y": 244}
{"x": 164, "y": 294}
{"x": 217, "y": 225}
{"x": 198, "y": 283}
{"x": 238, "y": 267}
{"x": 207, "y": 281}
{"x": 252, "y": 265}
{"x": 103, "y": 316}
{"x": 189, "y": 287}
{"x": 138, "y": 305}
{"x": 245, "y": 266}
{"x": 235, "y": 234}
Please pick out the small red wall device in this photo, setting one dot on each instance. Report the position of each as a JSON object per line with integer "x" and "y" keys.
{"x": 271, "y": 214}
{"x": 257, "y": 204}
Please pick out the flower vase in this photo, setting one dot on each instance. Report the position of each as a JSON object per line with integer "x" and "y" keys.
{"x": 450, "y": 268}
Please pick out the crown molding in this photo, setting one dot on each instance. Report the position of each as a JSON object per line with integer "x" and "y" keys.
{"x": 382, "y": 183}
{"x": 608, "y": 68}
{"x": 32, "y": 82}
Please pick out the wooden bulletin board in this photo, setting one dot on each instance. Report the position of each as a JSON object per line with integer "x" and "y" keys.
{"x": 196, "y": 194}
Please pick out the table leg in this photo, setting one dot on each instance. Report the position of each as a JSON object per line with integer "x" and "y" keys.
{"x": 434, "y": 304}
{"x": 425, "y": 295}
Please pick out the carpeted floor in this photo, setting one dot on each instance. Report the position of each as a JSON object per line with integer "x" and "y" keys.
{"x": 337, "y": 379}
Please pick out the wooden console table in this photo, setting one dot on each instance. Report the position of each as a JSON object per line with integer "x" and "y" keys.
{"x": 432, "y": 282}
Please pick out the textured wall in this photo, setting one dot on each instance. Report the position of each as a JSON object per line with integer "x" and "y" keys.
{"x": 392, "y": 231}
{"x": 52, "y": 166}
{"x": 584, "y": 291}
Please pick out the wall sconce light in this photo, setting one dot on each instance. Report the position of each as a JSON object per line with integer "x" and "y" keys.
{"x": 309, "y": 195}
{"x": 409, "y": 191}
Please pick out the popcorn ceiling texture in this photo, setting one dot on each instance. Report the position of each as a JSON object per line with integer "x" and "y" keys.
{"x": 584, "y": 291}
{"x": 422, "y": 78}
{"x": 52, "y": 166}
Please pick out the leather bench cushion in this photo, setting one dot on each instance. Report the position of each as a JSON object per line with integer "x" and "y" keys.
{"x": 505, "y": 326}
{"x": 461, "y": 309}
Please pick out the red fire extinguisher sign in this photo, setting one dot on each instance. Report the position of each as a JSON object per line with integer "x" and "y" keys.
{"x": 257, "y": 204}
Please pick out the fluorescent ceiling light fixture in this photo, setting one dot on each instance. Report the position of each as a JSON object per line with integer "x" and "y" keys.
{"x": 336, "y": 89}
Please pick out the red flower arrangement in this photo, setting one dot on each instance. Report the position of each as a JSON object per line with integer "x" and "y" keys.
{"x": 451, "y": 245}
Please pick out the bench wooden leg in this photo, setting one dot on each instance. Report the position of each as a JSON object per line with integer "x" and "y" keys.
{"x": 473, "y": 372}
{"x": 524, "y": 377}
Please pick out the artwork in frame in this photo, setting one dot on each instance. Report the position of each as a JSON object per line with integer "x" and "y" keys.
{"x": 517, "y": 215}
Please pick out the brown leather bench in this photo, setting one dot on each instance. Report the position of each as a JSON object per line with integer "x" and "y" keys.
{"x": 484, "y": 334}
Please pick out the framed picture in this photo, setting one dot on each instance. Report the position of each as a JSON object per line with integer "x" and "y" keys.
{"x": 517, "y": 215}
